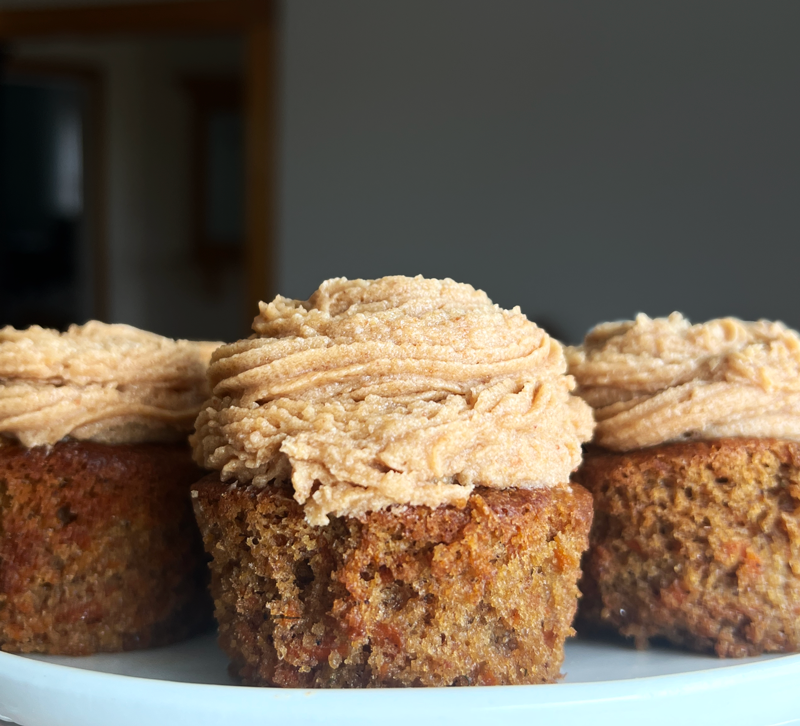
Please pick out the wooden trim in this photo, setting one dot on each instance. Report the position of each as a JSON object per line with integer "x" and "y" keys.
{"x": 210, "y": 94}
{"x": 190, "y": 16}
{"x": 95, "y": 184}
{"x": 94, "y": 162}
{"x": 261, "y": 144}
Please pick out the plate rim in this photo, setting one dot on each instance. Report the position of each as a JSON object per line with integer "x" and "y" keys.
{"x": 731, "y": 667}
{"x": 761, "y": 692}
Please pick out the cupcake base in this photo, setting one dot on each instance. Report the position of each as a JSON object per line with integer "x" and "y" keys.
{"x": 698, "y": 543}
{"x": 404, "y": 597}
{"x": 98, "y": 548}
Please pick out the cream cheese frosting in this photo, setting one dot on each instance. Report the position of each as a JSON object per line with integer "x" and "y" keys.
{"x": 392, "y": 391}
{"x": 652, "y": 381}
{"x": 105, "y": 383}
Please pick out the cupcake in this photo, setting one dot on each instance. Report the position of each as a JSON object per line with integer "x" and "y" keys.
{"x": 390, "y": 503}
{"x": 98, "y": 546}
{"x": 695, "y": 474}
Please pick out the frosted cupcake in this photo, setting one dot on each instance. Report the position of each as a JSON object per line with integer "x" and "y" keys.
{"x": 390, "y": 504}
{"x": 696, "y": 481}
{"x": 98, "y": 548}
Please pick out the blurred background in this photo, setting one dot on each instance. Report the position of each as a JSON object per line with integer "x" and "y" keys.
{"x": 168, "y": 164}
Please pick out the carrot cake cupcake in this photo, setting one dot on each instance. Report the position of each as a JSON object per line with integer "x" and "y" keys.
{"x": 98, "y": 546}
{"x": 696, "y": 481}
{"x": 391, "y": 502}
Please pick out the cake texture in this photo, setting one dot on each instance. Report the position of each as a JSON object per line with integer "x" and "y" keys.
{"x": 99, "y": 549}
{"x": 98, "y": 546}
{"x": 392, "y": 459}
{"x": 698, "y": 543}
{"x": 695, "y": 483}
{"x": 479, "y": 595}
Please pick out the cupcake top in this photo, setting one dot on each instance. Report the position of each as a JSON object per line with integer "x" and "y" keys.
{"x": 98, "y": 382}
{"x": 654, "y": 381}
{"x": 394, "y": 391}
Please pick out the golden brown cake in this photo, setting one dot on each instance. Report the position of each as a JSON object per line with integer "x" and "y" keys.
{"x": 479, "y": 595}
{"x": 99, "y": 550}
{"x": 98, "y": 546}
{"x": 391, "y": 504}
{"x": 699, "y": 543}
{"x": 696, "y": 483}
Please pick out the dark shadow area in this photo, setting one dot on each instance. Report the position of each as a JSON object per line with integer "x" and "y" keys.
{"x": 41, "y": 202}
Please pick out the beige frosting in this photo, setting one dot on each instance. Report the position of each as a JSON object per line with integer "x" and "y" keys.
{"x": 106, "y": 383}
{"x": 393, "y": 391}
{"x": 653, "y": 381}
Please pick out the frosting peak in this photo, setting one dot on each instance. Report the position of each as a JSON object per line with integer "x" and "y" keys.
{"x": 652, "y": 381}
{"x": 392, "y": 391}
{"x": 106, "y": 383}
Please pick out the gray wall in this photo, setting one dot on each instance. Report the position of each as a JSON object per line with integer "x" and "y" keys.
{"x": 583, "y": 160}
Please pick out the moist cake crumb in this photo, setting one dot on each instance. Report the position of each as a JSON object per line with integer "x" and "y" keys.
{"x": 410, "y": 596}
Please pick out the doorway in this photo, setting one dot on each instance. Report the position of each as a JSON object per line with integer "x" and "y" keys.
{"x": 48, "y": 272}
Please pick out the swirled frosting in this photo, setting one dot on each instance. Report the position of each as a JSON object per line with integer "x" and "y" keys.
{"x": 105, "y": 383}
{"x": 393, "y": 391}
{"x": 654, "y": 381}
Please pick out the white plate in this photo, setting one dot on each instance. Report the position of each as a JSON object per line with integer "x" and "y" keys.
{"x": 606, "y": 683}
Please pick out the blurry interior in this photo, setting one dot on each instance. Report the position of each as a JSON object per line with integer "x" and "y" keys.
{"x": 122, "y": 167}
{"x": 168, "y": 149}
{"x": 584, "y": 161}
